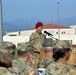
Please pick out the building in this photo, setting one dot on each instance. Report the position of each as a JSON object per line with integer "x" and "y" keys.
{"x": 66, "y": 33}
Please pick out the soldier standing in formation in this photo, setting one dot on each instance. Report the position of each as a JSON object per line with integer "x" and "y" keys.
{"x": 48, "y": 48}
{"x": 7, "y": 50}
{"x": 23, "y": 46}
{"x": 61, "y": 55}
{"x": 20, "y": 65}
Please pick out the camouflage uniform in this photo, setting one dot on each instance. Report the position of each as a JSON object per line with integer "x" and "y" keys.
{"x": 21, "y": 68}
{"x": 6, "y": 48}
{"x": 37, "y": 43}
{"x": 62, "y": 44}
{"x": 38, "y": 40}
{"x": 32, "y": 62}
{"x": 59, "y": 68}
{"x": 4, "y": 71}
{"x": 23, "y": 46}
{"x": 45, "y": 61}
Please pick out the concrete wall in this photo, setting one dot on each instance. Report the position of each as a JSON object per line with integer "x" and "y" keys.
{"x": 16, "y": 39}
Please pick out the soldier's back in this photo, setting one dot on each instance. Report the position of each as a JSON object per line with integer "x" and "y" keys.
{"x": 21, "y": 67}
{"x": 59, "y": 68}
{"x": 45, "y": 61}
{"x": 4, "y": 71}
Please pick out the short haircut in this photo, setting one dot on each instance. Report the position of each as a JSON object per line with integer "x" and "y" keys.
{"x": 6, "y": 60}
{"x": 48, "y": 49}
{"x": 23, "y": 53}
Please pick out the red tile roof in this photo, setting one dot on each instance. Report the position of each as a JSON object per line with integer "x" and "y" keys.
{"x": 51, "y": 26}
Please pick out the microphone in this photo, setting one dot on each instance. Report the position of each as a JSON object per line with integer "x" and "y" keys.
{"x": 48, "y": 33}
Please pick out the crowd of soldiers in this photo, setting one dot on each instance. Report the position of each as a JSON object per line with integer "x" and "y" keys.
{"x": 38, "y": 56}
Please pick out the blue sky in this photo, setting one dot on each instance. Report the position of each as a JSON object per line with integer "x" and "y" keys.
{"x": 44, "y": 10}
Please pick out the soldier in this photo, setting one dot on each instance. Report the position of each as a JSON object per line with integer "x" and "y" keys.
{"x": 30, "y": 60}
{"x": 7, "y": 50}
{"x": 20, "y": 66}
{"x": 37, "y": 38}
{"x": 48, "y": 48}
{"x": 61, "y": 55}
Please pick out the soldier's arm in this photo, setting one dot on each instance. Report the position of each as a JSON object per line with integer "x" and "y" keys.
{"x": 32, "y": 37}
{"x": 31, "y": 71}
{"x": 41, "y": 63}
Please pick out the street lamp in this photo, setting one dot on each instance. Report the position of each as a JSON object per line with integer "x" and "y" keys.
{"x": 1, "y": 37}
{"x": 58, "y": 22}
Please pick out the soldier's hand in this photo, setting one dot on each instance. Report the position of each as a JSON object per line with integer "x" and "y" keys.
{"x": 31, "y": 73}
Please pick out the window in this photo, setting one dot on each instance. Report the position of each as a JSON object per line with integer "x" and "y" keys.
{"x": 56, "y": 32}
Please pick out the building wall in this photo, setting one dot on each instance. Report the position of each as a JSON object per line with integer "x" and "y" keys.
{"x": 73, "y": 27}
{"x": 62, "y": 31}
{"x": 68, "y": 34}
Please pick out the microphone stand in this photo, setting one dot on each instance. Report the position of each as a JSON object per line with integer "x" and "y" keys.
{"x": 52, "y": 37}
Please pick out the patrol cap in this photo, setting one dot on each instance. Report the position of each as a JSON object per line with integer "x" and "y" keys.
{"x": 62, "y": 44}
{"x": 48, "y": 42}
{"x": 7, "y": 47}
{"x": 25, "y": 46}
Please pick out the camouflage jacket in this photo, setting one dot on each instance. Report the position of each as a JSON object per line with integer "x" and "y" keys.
{"x": 45, "y": 61}
{"x": 38, "y": 40}
{"x": 4, "y": 71}
{"x": 59, "y": 68}
{"x": 22, "y": 68}
{"x": 32, "y": 62}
